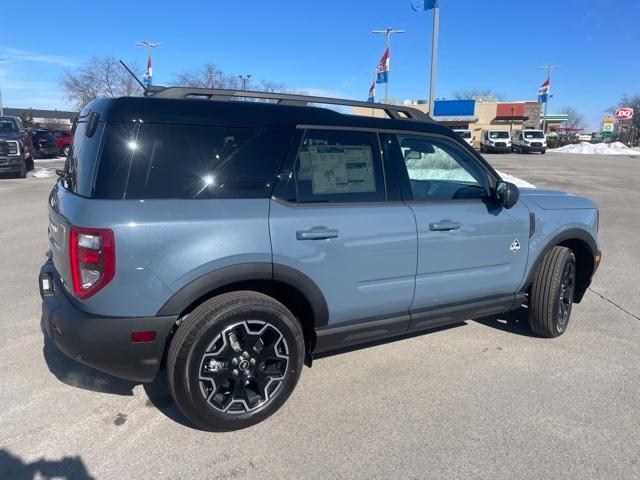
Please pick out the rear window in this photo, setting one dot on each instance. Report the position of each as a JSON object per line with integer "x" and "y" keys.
{"x": 81, "y": 161}
{"x": 197, "y": 162}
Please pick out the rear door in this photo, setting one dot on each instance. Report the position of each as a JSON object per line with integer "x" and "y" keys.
{"x": 469, "y": 247}
{"x": 333, "y": 223}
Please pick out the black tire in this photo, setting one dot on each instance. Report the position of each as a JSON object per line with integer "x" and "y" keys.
{"x": 22, "y": 173}
{"x": 482, "y": 149}
{"x": 552, "y": 291}
{"x": 543, "y": 151}
{"x": 201, "y": 375}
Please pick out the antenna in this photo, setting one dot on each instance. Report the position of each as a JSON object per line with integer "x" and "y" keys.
{"x": 133, "y": 75}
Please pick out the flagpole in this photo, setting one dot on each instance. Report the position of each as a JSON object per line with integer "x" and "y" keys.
{"x": 434, "y": 57}
{"x": 549, "y": 68}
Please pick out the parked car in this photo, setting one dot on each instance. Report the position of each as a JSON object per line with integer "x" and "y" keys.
{"x": 528, "y": 140}
{"x": 64, "y": 138}
{"x": 233, "y": 241}
{"x": 495, "y": 141}
{"x": 44, "y": 143}
{"x": 466, "y": 135}
{"x": 15, "y": 147}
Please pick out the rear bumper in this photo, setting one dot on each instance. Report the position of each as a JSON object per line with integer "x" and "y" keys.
{"x": 101, "y": 342}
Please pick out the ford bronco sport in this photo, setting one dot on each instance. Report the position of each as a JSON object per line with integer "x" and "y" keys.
{"x": 229, "y": 242}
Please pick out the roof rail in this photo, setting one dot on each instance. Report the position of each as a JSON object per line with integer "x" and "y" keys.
{"x": 398, "y": 112}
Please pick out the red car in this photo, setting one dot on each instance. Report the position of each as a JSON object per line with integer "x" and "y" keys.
{"x": 63, "y": 140}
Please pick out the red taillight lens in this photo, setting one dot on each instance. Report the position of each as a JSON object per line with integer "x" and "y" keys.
{"x": 93, "y": 259}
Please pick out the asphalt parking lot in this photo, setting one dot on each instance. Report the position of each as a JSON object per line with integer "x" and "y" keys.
{"x": 484, "y": 399}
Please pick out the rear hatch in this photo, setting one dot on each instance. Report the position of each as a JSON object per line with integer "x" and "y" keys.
{"x": 71, "y": 194}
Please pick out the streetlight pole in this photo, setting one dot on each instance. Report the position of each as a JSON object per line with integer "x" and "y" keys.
{"x": 212, "y": 78}
{"x": 245, "y": 80}
{"x": 150, "y": 46}
{"x": 387, "y": 33}
{"x": 549, "y": 69}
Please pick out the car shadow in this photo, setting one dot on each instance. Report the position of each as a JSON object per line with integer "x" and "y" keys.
{"x": 13, "y": 467}
{"x": 77, "y": 375}
{"x": 515, "y": 321}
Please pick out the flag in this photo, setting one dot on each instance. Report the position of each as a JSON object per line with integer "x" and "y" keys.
{"x": 148, "y": 75}
{"x": 423, "y": 5}
{"x": 372, "y": 93}
{"x": 382, "y": 69}
{"x": 543, "y": 91}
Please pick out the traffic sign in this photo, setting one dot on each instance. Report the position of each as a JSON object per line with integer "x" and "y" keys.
{"x": 624, "y": 113}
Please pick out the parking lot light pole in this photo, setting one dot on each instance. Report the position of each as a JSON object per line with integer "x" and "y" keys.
{"x": 549, "y": 69}
{"x": 245, "y": 80}
{"x": 387, "y": 33}
{"x": 1, "y": 108}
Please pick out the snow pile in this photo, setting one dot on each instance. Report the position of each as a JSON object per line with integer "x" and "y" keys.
{"x": 515, "y": 180}
{"x": 615, "y": 148}
{"x": 49, "y": 160}
{"x": 42, "y": 173}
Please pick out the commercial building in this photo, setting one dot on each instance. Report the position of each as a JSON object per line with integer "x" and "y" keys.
{"x": 43, "y": 118}
{"x": 478, "y": 116}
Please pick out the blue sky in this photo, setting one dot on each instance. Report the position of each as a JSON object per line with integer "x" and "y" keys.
{"x": 326, "y": 47}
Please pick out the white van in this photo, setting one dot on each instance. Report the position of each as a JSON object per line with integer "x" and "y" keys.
{"x": 465, "y": 134}
{"x": 495, "y": 141}
{"x": 529, "y": 140}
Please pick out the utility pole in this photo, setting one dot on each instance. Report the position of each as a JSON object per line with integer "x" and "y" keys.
{"x": 549, "y": 69}
{"x": 245, "y": 80}
{"x": 148, "y": 77}
{"x": 387, "y": 33}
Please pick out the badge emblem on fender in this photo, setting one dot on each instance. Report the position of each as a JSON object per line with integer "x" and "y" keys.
{"x": 515, "y": 246}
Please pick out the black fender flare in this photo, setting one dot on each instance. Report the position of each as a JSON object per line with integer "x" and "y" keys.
{"x": 245, "y": 272}
{"x": 570, "y": 234}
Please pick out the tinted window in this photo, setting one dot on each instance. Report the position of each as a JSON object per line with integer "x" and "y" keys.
{"x": 80, "y": 163}
{"x": 178, "y": 161}
{"x": 440, "y": 170}
{"x": 339, "y": 166}
{"x": 115, "y": 158}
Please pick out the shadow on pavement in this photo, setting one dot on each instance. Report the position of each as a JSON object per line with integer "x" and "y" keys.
{"x": 12, "y": 467}
{"x": 515, "y": 321}
{"x": 75, "y": 374}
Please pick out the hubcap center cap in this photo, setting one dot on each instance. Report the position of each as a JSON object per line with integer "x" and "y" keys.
{"x": 244, "y": 365}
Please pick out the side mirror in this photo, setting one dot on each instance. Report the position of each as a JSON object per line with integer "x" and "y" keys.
{"x": 507, "y": 194}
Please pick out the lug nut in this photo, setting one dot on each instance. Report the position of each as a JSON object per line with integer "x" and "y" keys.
{"x": 234, "y": 361}
{"x": 246, "y": 382}
{"x": 245, "y": 354}
{"x": 235, "y": 372}
{"x": 252, "y": 361}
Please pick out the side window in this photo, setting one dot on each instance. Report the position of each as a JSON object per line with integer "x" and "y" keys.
{"x": 439, "y": 170}
{"x": 200, "y": 162}
{"x": 339, "y": 166}
{"x": 79, "y": 165}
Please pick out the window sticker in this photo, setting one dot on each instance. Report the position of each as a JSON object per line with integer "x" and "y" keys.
{"x": 339, "y": 168}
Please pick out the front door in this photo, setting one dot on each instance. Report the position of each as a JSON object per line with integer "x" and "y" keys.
{"x": 469, "y": 247}
{"x": 338, "y": 228}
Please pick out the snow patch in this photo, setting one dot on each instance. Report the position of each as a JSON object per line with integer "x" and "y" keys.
{"x": 42, "y": 173}
{"x": 49, "y": 160}
{"x": 615, "y": 148}
{"x": 515, "y": 180}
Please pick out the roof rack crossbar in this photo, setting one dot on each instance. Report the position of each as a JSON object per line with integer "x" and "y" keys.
{"x": 398, "y": 112}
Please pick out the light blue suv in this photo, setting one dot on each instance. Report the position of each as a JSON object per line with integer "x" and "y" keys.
{"x": 230, "y": 241}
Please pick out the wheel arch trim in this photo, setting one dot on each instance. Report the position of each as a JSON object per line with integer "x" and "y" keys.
{"x": 246, "y": 272}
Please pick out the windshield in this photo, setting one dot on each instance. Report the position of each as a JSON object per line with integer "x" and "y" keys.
{"x": 533, "y": 134}
{"x": 464, "y": 133}
{"x": 498, "y": 134}
{"x": 8, "y": 125}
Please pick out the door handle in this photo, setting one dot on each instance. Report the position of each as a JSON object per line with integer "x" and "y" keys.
{"x": 444, "y": 225}
{"x": 317, "y": 233}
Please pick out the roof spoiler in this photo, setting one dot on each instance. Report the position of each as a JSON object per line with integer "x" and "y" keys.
{"x": 398, "y": 112}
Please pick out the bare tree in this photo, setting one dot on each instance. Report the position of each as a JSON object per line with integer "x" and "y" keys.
{"x": 479, "y": 94}
{"x": 210, "y": 76}
{"x": 575, "y": 121}
{"x": 99, "y": 77}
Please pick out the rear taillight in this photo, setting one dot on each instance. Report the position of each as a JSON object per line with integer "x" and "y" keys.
{"x": 93, "y": 259}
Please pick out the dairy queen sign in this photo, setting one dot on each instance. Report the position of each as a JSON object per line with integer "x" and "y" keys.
{"x": 624, "y": 113}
